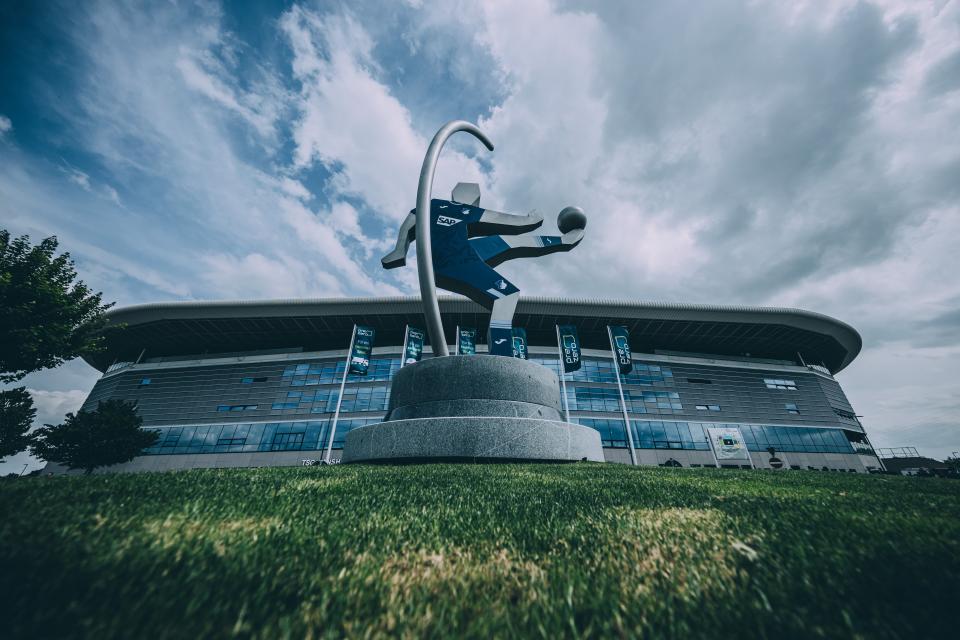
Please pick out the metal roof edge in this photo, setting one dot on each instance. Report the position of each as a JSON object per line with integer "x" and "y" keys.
{"x": 845, "y": 334}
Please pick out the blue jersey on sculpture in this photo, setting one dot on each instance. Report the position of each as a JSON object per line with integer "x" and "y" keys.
{"x": 467, "y": 242}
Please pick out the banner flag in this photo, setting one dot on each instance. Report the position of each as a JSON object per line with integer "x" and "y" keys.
{"x": 362, "y": 346}
{"x": 620, "y": 339}
{"x": 414, "y": 342}
{"x": 728, "y": 444}
{"x": 500, "y": 341}
{"x": 570, "y": 347}
{"x": 466, "y": 342}
{"x": 519, "y": 343}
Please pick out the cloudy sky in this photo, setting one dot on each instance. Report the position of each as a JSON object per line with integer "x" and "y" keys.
{"x": 800, "y": 154}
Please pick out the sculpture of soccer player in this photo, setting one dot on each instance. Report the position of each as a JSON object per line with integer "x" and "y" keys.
{"x": 468, "y": 242}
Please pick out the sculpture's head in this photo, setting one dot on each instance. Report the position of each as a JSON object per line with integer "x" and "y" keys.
{"x": 571, "y": 218}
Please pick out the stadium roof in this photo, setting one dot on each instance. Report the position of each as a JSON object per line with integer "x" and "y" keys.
{"x": 185, "y": 328}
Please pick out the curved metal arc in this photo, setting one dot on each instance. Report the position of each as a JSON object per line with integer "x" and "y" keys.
{"x": 428, "y": 287}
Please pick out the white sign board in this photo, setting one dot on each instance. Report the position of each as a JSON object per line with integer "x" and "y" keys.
{"x": 727, "y": 443}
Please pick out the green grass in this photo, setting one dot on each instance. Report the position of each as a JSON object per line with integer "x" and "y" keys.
{"x": 582, "y": 550}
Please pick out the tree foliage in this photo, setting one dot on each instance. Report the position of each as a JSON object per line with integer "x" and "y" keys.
{"x": 109, "y": 435}
{"x": 46, "y": 315}
{"x": 16, "y": 415}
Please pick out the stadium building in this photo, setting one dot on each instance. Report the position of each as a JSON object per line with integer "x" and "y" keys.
{"x": 256, "y": 383}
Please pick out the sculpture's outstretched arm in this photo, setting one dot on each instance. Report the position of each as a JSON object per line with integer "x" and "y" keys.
{"x": 493, "y": 223}
{"x": 406, "y": 235}
{"x": 495, "y": 250}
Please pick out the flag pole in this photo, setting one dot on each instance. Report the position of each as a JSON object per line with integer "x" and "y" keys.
{"x": 623, "y": 404}
{"x": 403, "y": 352}
{"x": 343, "y": 383}
{"x": 563, "y": 376}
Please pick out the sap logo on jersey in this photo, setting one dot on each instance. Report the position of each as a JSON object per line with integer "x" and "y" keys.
{"x": 445, "y": 221}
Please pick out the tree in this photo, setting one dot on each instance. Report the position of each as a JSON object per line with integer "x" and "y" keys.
{"x": 109, "y": 435}
{"x": 16, "y": 416}
{"x": 46, "y": 317}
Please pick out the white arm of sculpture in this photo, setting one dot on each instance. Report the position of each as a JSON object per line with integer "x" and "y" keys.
{"x": 406, "y": 235}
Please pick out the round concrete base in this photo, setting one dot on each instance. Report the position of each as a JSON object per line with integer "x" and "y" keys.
{"x": 474, "y": 439}
{"x": 481, "y": 408}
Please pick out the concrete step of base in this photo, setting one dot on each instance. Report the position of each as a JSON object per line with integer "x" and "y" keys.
{"x": 478, "y": 439}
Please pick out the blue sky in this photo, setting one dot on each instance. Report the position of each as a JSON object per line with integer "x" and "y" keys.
{"x": 791, "y": 154}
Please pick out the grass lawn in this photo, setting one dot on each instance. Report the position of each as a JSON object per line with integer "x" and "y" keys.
{"x": 585, "y": 550}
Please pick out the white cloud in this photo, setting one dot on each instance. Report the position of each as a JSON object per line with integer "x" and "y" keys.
{"x": 319, "y": 238}
{"x": 295, "y": 188}
{"x": 52, "y": 406}
{"x": 257, "y": 276}
{"x": 97, "y": 237}
{"x": 205, "y": 73}
{"x": 79, "y": 178}
{"x": 350, "y": 122}
{"x": 345, "y": 220}
{"x": 908, "y": 396}
{"x": 151, "y": 110}
{"x": 5, "y": 125}
{"x": 111, "y": 194}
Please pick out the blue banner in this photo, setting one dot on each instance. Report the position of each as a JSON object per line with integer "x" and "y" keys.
{"x": 466, "y": 341}
{"x": 362, "y": 347}
{"x": 500, "y": 341}
{"x": 620, "y": 339}
{"x": 414, "y": 350}
{"x": 569, "y": 347}
{"x": 519, "y": 343}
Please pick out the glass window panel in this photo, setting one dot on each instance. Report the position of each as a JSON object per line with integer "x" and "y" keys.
{"x": 670, "y": 428}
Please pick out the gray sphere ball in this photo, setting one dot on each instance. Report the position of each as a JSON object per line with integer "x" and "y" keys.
{"x": 571, "y": 218}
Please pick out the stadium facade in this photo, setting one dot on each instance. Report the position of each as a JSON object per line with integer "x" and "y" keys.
{"x": 236, "y": 384}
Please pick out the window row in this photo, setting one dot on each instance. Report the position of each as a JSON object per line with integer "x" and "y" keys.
{"x": 593, "y": 370}
{"x": 777, "y": 383}
{"x": 647, "y": 434}
{"x": 359, "y": 399}
{"x": 608, "y": 399}
{"x": 656, "y": 434}
{"x": 325, "y": 400}
{"x": 307, "y": 374}
{"x": 309, "y": 435}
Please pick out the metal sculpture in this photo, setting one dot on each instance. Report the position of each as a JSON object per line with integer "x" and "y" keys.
{"x": 459, "y": 244}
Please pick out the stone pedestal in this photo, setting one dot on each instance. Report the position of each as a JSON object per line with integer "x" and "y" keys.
{"x": 473, "y": 408}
